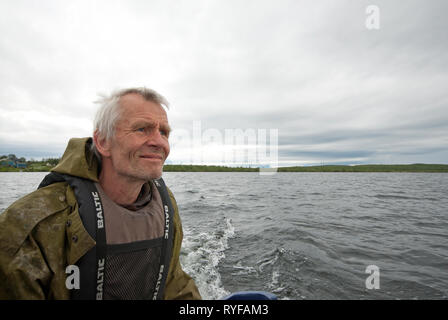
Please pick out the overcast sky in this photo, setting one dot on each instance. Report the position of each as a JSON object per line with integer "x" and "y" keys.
{"x": 336, "y": 91}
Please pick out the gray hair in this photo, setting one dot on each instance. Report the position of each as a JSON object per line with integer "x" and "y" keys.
{"x": 110, "y": 111}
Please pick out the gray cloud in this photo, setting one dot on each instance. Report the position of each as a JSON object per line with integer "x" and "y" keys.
{"x": 332, "y": 88}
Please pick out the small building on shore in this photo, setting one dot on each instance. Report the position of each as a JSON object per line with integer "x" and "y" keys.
{"x": 20, "y": 165}
{"x": 12, "y": 163}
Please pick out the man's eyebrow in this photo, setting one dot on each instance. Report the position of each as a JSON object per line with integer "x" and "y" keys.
{"x": 166, "y": 127}
{"x": 152, "y": 124}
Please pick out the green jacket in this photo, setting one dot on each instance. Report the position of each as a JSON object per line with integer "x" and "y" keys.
{"x": 37, "y": 243}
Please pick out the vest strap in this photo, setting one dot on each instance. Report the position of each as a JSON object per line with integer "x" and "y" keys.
{"x": 167, "y": 245}
{"x": 92, "y": 264}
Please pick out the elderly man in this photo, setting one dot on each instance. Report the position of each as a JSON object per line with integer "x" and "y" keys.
{"x": 102, "y": 224}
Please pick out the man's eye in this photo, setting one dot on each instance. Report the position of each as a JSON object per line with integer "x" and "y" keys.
{"x": 141, "y": 130}
{"x": 164, "y": 133}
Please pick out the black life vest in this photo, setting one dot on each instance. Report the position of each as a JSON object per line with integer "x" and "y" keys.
{"x": 136, "y": 270}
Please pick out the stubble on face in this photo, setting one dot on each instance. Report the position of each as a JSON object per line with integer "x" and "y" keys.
{"x": 140, "y": 146}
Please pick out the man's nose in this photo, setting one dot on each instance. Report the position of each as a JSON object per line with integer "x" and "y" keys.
{"x": 156, "y": 139}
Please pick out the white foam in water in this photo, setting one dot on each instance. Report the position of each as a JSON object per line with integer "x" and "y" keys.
{"x": 201, "y": 254}
{"x": 243, "y": 270}
{"x": 267, "y": 261}
{"x": 274, "y": 285}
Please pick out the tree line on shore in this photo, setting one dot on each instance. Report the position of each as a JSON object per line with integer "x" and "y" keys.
{"x": 47, "y": 164}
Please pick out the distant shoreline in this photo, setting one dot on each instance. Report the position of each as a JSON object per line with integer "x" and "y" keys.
{"x": 419, "y": 167}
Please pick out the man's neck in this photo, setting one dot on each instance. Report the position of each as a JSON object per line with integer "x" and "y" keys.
{"x": 119, "y": 189}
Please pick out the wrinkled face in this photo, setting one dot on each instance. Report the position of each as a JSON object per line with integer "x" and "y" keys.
{"x": 140, "y": 145}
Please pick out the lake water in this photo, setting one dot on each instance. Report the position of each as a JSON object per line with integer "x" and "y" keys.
{"x": 306, "y": 235}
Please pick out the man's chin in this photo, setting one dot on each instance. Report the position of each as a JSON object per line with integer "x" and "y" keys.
{"x": 144, "y": 175}
{"x": 157, "y": 176}
{"x": 153, "y": 174}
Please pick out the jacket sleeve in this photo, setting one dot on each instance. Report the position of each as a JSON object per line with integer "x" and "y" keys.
{"x": 27, "y": 271}
{"x": 179, "y": 285}
{"x": 25, "y": 275}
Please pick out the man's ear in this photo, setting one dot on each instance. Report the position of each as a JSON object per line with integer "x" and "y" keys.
{"x": 102, "y": 145}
